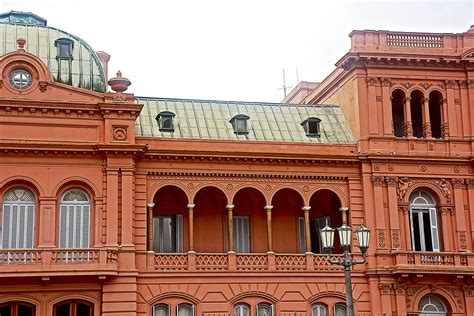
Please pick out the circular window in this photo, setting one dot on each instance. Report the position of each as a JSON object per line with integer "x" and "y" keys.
{"x": 20, "y": 79}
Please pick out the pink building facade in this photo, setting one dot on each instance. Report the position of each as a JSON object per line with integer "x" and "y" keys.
{"x": 120, "y": 205}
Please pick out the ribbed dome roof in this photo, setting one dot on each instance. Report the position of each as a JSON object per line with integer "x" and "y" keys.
{"x": 81, "y": 69}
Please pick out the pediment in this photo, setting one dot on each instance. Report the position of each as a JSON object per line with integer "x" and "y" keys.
{"x": 468, "y": 55}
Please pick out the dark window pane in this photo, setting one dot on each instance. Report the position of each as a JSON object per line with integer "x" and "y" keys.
{"x": 427, "y": 232}
{"x": 83, "y": 310}
{"x": 416, "y": 231}
{"x": 314, "y": 232}
{"x": 24, "y": 310}
{"x": 313, "y": 127}
{"x": 63, "y": 310}
{"x": 6, "y": 310}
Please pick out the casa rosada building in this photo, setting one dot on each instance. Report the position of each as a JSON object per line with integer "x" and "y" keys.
{"x": 114, "y": 204}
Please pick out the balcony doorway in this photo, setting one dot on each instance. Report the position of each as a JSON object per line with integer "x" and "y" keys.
{"x": 73, "y": 308}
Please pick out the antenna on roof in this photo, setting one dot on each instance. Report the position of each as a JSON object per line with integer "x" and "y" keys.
{"x": 297, "y": 77}
{"x": 284, "y": 87}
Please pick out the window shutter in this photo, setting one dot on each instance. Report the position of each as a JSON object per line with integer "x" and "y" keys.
{"x": 434, "y": 229}
{"x": 179, "y": 233}
{"x": 6, "y": 226}
{"x": 14, "y": 227}
{"x": 241, "y": 234}
{"x": 301, "y": 233}
{"x": 30, "y": 229}
{"x": 86, "y": 215}
{"x": 63, "y": 214}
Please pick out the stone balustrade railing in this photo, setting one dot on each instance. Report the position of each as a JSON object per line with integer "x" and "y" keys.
{"x": 191, "y": 261}
{"x": 434, "y": 260}
{"x": 55, "y": 259}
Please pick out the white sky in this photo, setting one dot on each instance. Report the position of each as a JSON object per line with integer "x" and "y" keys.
{"x": 234, "y": 50}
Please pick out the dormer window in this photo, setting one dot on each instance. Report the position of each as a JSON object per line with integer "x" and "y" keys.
{"x": 65, "y": 47}
{"x": 165, "y": 121}
{"x": 312, "y": 126}
{"x": 240, "y": 124}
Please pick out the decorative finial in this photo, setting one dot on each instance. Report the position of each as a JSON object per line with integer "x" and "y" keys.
{"x": 21, "y": 43}
{"x": 119, "y": 84}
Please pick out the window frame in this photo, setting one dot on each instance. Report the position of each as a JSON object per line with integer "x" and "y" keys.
{"x": 241, "y": 305}
{"x": 177, "y": 233}
{"x": 239, "y": 242}
{"x": 319, "y": 305}
{"x": 310, "y": 124}
{"x": 14, "y": 305}
{"x": 339, "y": 305}
{"x": 155, "y": 306}
{"x": 64, "y": 42}
{"x": 264, "y": 304}
{"x": 240, "y": 124}
{"x": 162, "y": 117}
{"x": 418, "y": 210}
{"x": 75, "y": 204}
{"x": 73, "y": 306}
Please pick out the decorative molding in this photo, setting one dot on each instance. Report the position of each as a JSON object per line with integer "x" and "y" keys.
{"x": 219, "y": 175}
{"x": 469, "y": 183}
{"x": 456, "y": 169}
{"x": 376, "y": 167}
{"x": 377, "y": 181}
{"x": 410, "y": 293}
{"x": 390, "y": 167}
{"x": 403, "y": 184}
{"x": 449, "y": 84}
{"x": 120, "y": 133}
{"x": 468, "y": 290}
{"x": 457, "y": 294}
{"x": 381, "y": 238}
{"x": 371, "y": 81}
{"x": 462, "y": 240}
{"x": 457, "y": 183}
{"x": 385, "y": 288}
{"x": 443, "y": 186}
{"x": 395, "y": 238}
{"x": 391, "y": 181}
{"x": 386, "y": 82}
{"x": 399, "y": 288}
{"x": 403, "y": 208}
{"x": 423, "y": 168}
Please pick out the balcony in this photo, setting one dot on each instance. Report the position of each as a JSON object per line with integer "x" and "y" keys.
{"x": 434, "y": 262}
{"x": 48, "y": 262}
{"x": 236, "y": 262}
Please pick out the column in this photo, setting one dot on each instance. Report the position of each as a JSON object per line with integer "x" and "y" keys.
{"x": 372, "y": 103}
{"x": 191, "y": 227}
{"x": 230, "y": 225}
{"x": 47, "y": 218}
{"x": 269, "y": 208}
{"x": 386, "y": 107}
{"x": 307, "y": 230}
{"x": 459, "y": 215}
{"x": 127, "y": 208}
{"x": 426, "y": 118}
{"x": 451, "y": 119}
{"x": 406, "y": 229}
{"x": 112, "y": 204}
{"x": 445, "y": 224}
{"x": 407, "y": 117}
{"x": 400, "y": 298}
{"x": 149, "y": 226}
{"x": 393, "y": 212}
{"x": 379, "y": 212}
{"x": 445, "y": 126}
{"x": 470, "y": 194}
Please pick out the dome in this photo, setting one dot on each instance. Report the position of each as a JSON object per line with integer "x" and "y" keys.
{"x": 69, "y": 59}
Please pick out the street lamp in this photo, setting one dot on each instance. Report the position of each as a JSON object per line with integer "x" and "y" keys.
{"x": 345, "y": 237}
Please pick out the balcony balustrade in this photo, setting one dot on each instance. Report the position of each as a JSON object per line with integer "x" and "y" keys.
{"x": 190, "y": 262}
{"x": 50, "y": 261}
{"x": 434, "y": 262}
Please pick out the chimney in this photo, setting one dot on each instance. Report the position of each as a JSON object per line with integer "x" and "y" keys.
{"x": 104, "y": 60}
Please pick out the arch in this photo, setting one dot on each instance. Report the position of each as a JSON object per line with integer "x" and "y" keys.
{"x": 20, "y": 298}
{"x": 398, "y": 112}
{"x": 435, "y": 103}
{"x": 217, "y": 186}
{"x": 253, "y": 294}
{"x": 435, "y": 191}
{"x": 81, "y": 297}
{"x": 157, "y": 186}
{"x": 181, "y": 295}
{"x": 23, "y": 180}
{"x": 280, "y": 188}
{"x": 416, "y": 108}
{"x": 334, "y": 189}
{"x": 446, "y": 297}
{"x": 81, "y": 182}
{"x": 333, "y": 294}
{"x": 255, "y": 187}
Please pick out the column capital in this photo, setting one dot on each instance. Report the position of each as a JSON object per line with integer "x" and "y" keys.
{"x": 230, "y": 206}
{"x": 190, "y": 205}
{"x": 150, "y": 205}
{"x": 268, "y": 207}
{"x": 306, "y": 208}
{"x": 344, "y": 209}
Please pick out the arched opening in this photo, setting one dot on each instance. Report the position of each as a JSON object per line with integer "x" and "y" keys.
{"x": 209, "y": 221}
{"x": 74, "y": 219}
{"x": 424, "y": 222}
{"x": 319, "y": 309}
{"x": 169, "y": 220}
{"x": 398, "y": 114}
{"x": 17, "y": 309}
{"x": 73, "y": 308}
{"x": 324, "y": 211}
{"x": 288, "y": 235}
{"x": 249, "y": 221}
{"x": 435, "y": 105}
{"x": 432, "y": 305}
{"x": 18, "y": 219}
{"x": 241, "y": 309}
{"x": 416, "y": 108}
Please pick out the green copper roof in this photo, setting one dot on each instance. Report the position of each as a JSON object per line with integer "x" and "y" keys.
{"x": 83, "y": 70}
{"x": 209, "y": 119}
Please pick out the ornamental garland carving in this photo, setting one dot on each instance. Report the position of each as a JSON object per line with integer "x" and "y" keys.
{"x": 462, "y": 239}
{"x": 395, "y": 238}
{"x": 377, "y": 181}
{"x": 457, "y": 183}
{"x": 410, "y": 293}
{"x": 402, "y": 187}
{"x": 385, "y": 288}
{"x": 457, "y": 296}
{"x": 399, "y": 288}
{"x": 391, "y": 181}
{"x": 371, "y": 81}
{"x": 404, "y": 184}
{"x": 381, "y": 238}
{"x": 386, "y": 82}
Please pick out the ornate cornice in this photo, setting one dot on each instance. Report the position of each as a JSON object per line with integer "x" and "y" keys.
{"x": 253, "y": 176}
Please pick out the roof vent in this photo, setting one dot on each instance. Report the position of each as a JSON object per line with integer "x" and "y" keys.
{"x": 18, "y": 17}
{"x": 312, "y": 126}
{"x": 65, "y": 46}
{"x": 166, "y": 121}
{"x": 240, "y": 124}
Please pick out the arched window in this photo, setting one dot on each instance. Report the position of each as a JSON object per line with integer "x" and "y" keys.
{"x": 184, "y": 310}
{"x": 423, "y": 222}
{"x": 73, "y": 308}
{"x": 74, "y": 225}
{"x": 398, "y": 113}
{"x": 431, "y": 305}
{"x": 161, "y": 310}
{"x": 241, "y": 310}
{"x": 319, "y": 310}
{"x": 436, "y": 114}
{"x": 339, "y": 310}
{"x": 264, "y": 309}
{"x": 416, "y": 106}
{"x": 17, "y": 309}
{"x": 18, "y": 219}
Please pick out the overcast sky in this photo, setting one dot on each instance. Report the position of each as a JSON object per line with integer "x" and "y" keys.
{"x": 234, "y": 50}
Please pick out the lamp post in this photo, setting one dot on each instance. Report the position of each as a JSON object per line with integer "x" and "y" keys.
{"x": 347, "y": 261}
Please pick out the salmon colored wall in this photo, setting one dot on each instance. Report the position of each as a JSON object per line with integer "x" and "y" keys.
{"x": 287, "y": 206}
